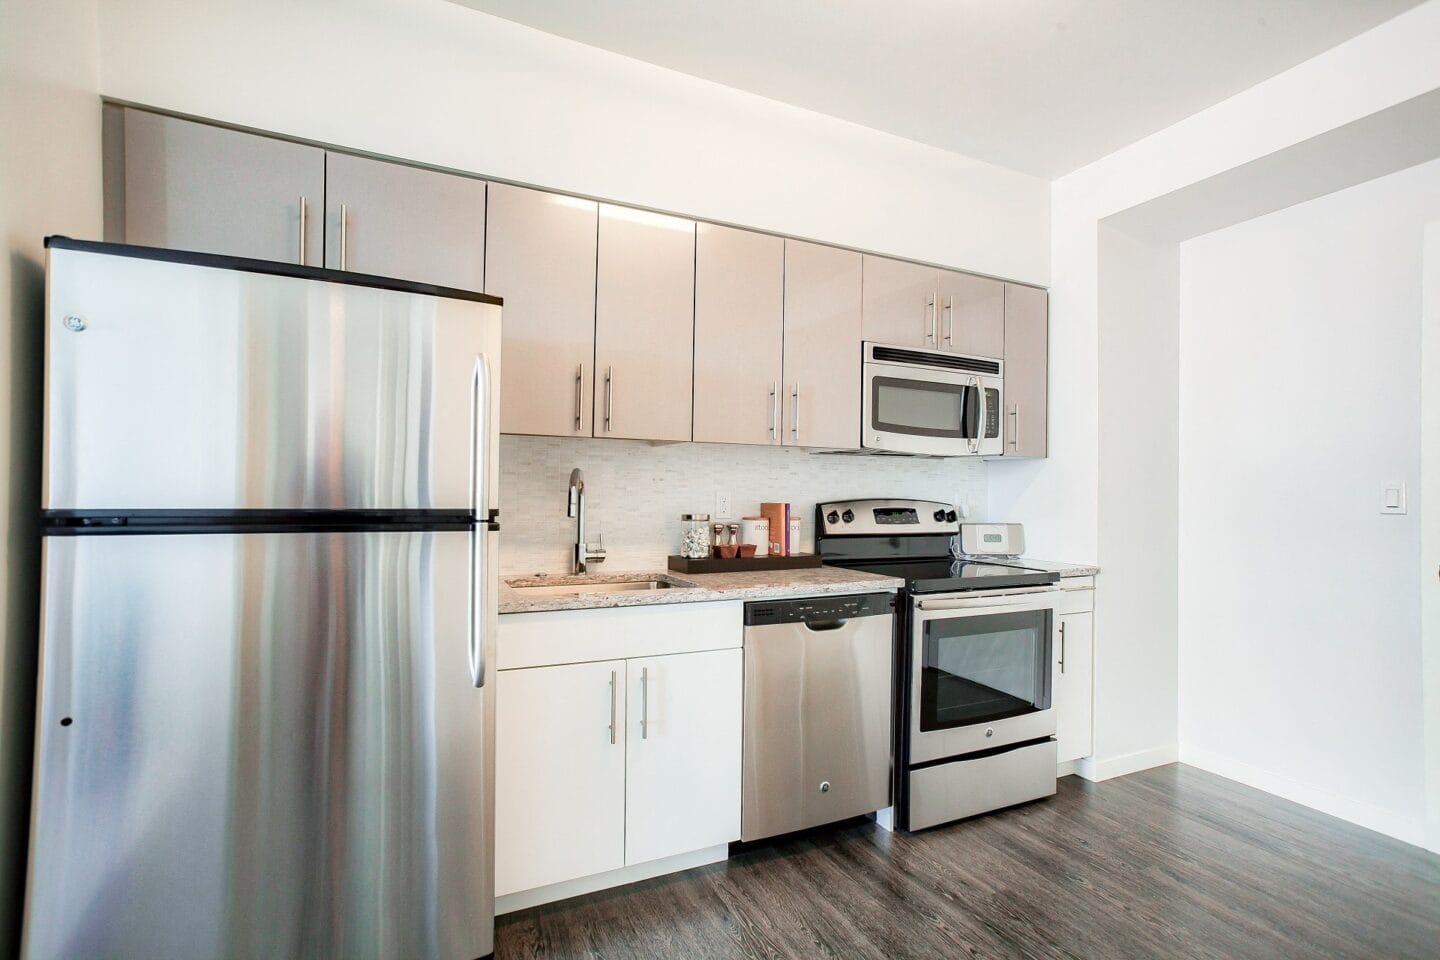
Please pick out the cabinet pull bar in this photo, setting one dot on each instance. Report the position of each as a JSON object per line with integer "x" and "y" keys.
{"x": 1062, "y": 646}
{"x": 1015, "y": 426}
{"x": 950, "y": 322}
{"x": 344, "y": 237}
{"x": 304, "y": 208}
{"x": 930, "y": 320}
{"x": 774, "y": 410}
{"x": 579, "y": 388}
{"x": 612, "y": 706}
{"x": 795, "y": 420}
{"x": 644, "y": 703}
{"x": 609, "y": 390}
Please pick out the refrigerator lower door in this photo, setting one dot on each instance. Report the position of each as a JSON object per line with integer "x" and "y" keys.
{"x": 261, "y": 745}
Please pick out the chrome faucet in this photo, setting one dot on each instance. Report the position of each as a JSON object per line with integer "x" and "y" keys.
{"x": 583, "y": 553}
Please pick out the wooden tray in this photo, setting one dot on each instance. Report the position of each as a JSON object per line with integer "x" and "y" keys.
{"x": 796, "y": 561}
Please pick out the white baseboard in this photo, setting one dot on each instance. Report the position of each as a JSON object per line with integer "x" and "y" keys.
{"x": 1066, "y": 767}
{"x": 566, "y": 889}
{"x": 1092, "y": 768}
{"x": 1359, "y": 812}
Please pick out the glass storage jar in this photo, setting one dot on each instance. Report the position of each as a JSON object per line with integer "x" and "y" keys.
{"x": 694, "y": 536}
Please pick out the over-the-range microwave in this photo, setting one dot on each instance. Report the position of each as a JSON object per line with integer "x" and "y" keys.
{"x": 931, "y": 402}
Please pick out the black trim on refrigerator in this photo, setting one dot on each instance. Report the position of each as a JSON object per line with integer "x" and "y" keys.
{"x": 72, "y": 523}
{"x": 274, "y": 268}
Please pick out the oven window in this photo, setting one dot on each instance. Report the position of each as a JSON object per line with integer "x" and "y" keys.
{"x": 918, "y": 407}
{"x": 976, "y": 669}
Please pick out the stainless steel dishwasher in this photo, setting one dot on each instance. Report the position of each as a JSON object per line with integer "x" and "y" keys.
{"x": 818, "y": 694}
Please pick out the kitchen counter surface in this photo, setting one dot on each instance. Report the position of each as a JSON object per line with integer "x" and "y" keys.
{"x": 1064, "y": 569}
{"x": 692, "y": 588}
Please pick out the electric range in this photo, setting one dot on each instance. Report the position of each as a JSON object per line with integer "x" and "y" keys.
{"x": 973, "y": 717}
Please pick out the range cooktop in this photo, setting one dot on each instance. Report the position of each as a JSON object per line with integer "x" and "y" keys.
{"x": 949, "y": 575}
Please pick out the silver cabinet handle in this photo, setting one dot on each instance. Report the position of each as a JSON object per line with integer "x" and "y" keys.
{"x": 579, "y": 387}
{"x": 1062, "y": 646}
{"x": 645, "y": 703}
{"x": 795, "y": 410}
{"x": 1015, "y": 425}
{"x": 344, "y": 237}
{"x": 774, "y": 410}
{"x": 609, "y": 390}
{"x": 612, "y": 706}
{"x": 930, "y": 320}
{"x": 479, "y": 497}
{"x": 950, "y": 321}
{"x": 304, "y": 210}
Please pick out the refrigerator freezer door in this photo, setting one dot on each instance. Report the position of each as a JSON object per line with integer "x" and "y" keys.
{"x": 178, "y": 387}
{"x": 261, "y": 745}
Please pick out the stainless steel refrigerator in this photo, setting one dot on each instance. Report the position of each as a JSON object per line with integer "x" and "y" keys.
{"x": 264, "y": 724}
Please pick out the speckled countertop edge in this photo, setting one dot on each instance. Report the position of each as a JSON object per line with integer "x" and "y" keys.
{"x": 692, "y": 588}
{"x": 1064, "y": 569}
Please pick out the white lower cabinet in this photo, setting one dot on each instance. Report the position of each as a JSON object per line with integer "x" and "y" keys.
{"x": 682, "y": 751}
{"x": 1073, "y": 672}
{"x": 559, "y": 773}
{"x": 574, "y": 799}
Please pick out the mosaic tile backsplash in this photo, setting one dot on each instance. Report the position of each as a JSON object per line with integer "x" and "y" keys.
{"x": 636, "y": 491}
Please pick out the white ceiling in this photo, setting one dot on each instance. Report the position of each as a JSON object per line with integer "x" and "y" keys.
{"x": 1042, "y": 86}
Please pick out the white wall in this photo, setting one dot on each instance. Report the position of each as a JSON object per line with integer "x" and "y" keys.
{"x": 636, "y": 492}
{"x": 439, "y": 83}
{"x": 1060, "y": 500}
{"x": 1300, "y": 638}
{"x": 49, "y": 183}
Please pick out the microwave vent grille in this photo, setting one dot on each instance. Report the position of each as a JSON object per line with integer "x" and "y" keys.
{"x": 947, "y": 361}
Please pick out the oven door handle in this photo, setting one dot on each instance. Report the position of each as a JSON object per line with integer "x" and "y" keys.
{"x": 982, "y": 603}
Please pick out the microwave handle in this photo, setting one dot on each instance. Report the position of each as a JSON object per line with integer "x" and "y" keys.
{"x": 980, "y": 421}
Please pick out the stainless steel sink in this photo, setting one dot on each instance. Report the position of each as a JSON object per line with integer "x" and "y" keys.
{"x": 532, "y": 589}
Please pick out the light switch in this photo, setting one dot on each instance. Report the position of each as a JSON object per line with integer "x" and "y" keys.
{"x": 1392, "y": 498}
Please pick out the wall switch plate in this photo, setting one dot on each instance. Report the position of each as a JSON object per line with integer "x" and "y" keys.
{"x": 1392, "y": 498}
{"x": 722, "y": 506}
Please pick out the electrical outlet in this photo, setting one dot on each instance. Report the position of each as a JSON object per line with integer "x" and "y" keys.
{"x": 722, "y": 506}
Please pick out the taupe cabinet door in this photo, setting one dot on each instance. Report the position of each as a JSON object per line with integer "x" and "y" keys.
{"x": 1027, "y": 331}
{"x": 821, "y": 405}
{"x": 972, "y": 314}
{"x": 191, "y": 186}
{"x": 541, "y": 260}
{"x": 398, "y": 221}
{"x": 900, "y": 305}
{"x": 739, "y": 334}
{"x": 912, "y": 305}
{"x": 644, "y": 325}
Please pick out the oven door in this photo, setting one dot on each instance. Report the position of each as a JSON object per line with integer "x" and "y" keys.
{"x": 980, "y": 672}
{"x": 909, "y": 408}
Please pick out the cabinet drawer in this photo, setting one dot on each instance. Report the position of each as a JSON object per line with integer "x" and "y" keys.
{"x": 617, "y": 633}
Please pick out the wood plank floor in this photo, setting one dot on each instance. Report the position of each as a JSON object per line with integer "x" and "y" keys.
{"x": 1172, "y": 862}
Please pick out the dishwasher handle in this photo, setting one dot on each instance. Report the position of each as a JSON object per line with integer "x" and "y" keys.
{"x": 820, "y": 625}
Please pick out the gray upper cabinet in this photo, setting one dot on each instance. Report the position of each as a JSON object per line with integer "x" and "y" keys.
{"x": 900, "y": 302}
{"x": 192, "y": 186}
{"x": 541, "y": 261}
{"x": 971, "y": 314}
{"x": 1027, "y": 332}
{"x": 405, "y": 222}
{"x": 821, "y": 404}
{"x": 644, "y": 325}
{"x": 739, "y": 334}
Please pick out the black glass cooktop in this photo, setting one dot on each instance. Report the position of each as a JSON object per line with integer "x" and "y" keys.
{"x": 946, "y": 576}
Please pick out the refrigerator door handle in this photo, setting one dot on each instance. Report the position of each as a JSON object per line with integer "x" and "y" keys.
{"x": 480, "y": 387}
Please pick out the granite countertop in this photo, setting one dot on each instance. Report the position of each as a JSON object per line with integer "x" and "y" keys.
{"x": 691, "y": 588}
{"x": 1064, "y": 569}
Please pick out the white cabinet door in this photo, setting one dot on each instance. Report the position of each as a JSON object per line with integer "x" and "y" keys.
{"x": 900, "y": 302}
{"x": 644, "y": 325}
{"x": 559, "y": 773}
{"x": 821, "y": 405}
{"x": 1027, "y": 370}
{"x": 1074, "y": 703}
{"x": 683, "y": 744}
{"x": 972, "y": 314}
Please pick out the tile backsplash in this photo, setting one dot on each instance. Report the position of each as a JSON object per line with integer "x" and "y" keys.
{"x": 636, "y": 491}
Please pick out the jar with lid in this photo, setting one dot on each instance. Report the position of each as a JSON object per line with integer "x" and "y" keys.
{"x": 694, "y": 536}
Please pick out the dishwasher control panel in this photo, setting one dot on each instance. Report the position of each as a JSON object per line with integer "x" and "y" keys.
{"x": 812, "y": 609}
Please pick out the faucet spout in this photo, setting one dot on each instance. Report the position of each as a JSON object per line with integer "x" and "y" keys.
{"x": 575, "y": 507}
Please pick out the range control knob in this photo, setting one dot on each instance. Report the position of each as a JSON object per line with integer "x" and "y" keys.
{"x": 848, "y": 515}
{"x": 950, "y": 516}
{"x": 832, "y": 517}
{"x": 939, "y": 515}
